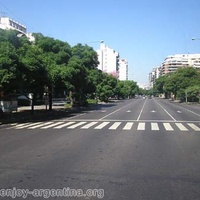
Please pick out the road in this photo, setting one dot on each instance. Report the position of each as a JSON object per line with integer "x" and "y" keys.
{"x": 136, "y": 149}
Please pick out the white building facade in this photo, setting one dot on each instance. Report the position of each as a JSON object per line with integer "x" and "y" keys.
{"x": 7, "y": 23}
{"x": 172, "y": 63}
{"x": 108, "y": 60}
{"x": 153, "y": 75}
{"x": 123, "y": 70}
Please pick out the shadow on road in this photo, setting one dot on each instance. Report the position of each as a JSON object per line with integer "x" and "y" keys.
{"x": 46, "y": 115}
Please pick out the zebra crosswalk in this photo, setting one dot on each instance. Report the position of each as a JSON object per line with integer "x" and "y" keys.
{"x": 110, "y": 125}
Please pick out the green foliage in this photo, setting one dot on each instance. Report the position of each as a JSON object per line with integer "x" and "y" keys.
{"x": 9, "y": 68}
{"x": 35, "y": 73}
{"x": 126, "y": 89}
{"x": 175, "y": 84}
{"x": 55, "y": 66}
{"x": 193, "y": 93}
{"x": 105, "y": 89}
{"x": 86, "y": 54}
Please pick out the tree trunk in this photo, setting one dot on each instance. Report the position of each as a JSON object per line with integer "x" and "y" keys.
{"x": 50, "y": 98}
{"x": 70, "y": 98}
{"x": 33, "y": 103}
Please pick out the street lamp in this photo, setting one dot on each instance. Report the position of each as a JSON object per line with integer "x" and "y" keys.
{"x": 195, "y": 38}
{"x": 101, "y": 41}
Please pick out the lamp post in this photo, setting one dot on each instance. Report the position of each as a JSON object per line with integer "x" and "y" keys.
{"x": 195, "y": 38}
{"x": 97, "y": 41}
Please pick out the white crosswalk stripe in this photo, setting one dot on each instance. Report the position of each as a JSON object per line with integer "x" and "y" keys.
{"x": 20, "y": 125}
{"x": 154, "y": 127}
{"x": 26, "y": 125}
{"x": 102, "y": 125}
{"x": 97, "y": 125}
{"x": 115, "y": 126}
{"x": 89, "y": 125}
{"x": 194, "y": 127}
{"x": 128, "y": 126}
{"x": 141, "y": 126}
{"x": 63, "y": 125}
{"x": 39, "y": 125}
{"x": 168, "y": 127}
{"x": 76, "y": 125}
{"x": 181, "y": 127}
{"x": 51, "y": 125}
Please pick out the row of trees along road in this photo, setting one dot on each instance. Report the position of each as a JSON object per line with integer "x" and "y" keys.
{"x": 49, "y": 63}
{"x": 184, "y": 84}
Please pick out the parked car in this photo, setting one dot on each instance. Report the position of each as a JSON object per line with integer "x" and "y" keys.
{"x": 23, "y": 101}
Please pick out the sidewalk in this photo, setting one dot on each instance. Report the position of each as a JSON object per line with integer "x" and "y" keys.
{"x": 23, "y": 114}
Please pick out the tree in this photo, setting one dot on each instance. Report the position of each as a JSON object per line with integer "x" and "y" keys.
{"x": 193, "y": 93}
{"x": 86, "y": 54}
{"x": 94, "y": 79}
{"x": 10, "y": 77}
{"x": 10, "y": 36}
{"x": 176, "y": 83}
{"x": 106, "y": 88}
{"x": 159, "y": 86}
{"x": 180, "y": 80}
{"x": 83, "y": 60}
{"x": 56, "y": 55}
{"x": 126, "y": 89}
{"x": 11, "y": 70}
{"x": 35, "y": 75}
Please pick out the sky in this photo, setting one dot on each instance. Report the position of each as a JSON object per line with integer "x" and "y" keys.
{"x": 144, "y": 32}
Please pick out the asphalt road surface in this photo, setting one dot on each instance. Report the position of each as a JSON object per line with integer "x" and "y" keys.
{"x": 136, "y": 149}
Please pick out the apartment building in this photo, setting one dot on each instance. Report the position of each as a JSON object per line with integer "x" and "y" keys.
{"x": 108, "y": 60}
{"x": 123, "y": 69}
{"x": 173, "y": 62}
{"x": 153, "y": 75}
{"x": 7, "y": 23}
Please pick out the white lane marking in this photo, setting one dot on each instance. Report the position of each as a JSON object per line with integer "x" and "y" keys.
{"x": 51, "y": 125}
{"x": 190, "y": 111}
{"x": 89, "y": 125}
{"x": 116, "y": 111}
{"x": 37, "y": 126}
{"x": 141, "y": 110}
{"x": 194, "y": 127}
{"x": 63, "y": 125}
{"x": 27, "y": 125}
{"x": 181, "y": 127}
{"x": 115, "y": 126}
{"x": 168, "y": 127}
{"x": 165, "y": 110}
{"x": 100, "y": 126}
{"x": 154, "y": 127}
{"x": 141, "y": 126}
{"x": 76, "y": 125}
{"x": 128, "y": 126}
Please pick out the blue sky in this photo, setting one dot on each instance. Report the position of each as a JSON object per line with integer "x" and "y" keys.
{"x": 143, "y": 31}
